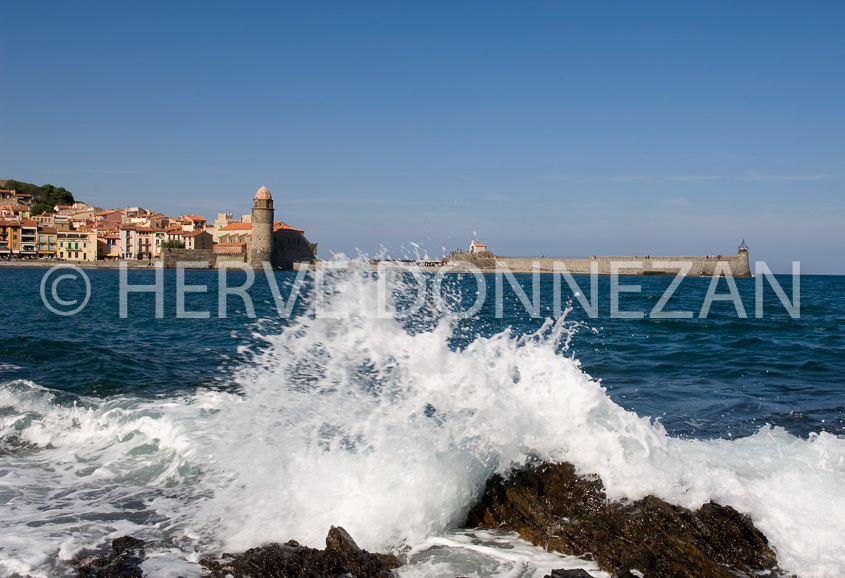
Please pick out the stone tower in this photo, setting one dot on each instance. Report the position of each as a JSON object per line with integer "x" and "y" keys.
{"x": 743, "y": 267}
{"x": 262, "y": 228}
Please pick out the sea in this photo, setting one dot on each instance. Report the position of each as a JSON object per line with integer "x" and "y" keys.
{"x": 208, "y": 412}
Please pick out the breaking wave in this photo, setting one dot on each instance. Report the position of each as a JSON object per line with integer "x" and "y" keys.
{"x": 381, "y": 425}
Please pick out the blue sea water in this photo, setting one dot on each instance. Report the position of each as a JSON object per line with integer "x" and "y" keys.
{"x": 202, "y": 430}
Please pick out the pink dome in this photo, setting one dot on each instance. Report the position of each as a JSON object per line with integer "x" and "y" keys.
{"x": 263, "y": 194}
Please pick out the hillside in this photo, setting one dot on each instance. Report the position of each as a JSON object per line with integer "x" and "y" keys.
{"x": 44, "y": 198}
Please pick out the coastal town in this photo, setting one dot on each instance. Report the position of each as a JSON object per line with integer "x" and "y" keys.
{"x": 82, "y": 233}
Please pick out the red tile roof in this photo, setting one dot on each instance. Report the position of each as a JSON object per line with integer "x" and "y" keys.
{"x": 281, "y": 226}
{"x": 238, "y": 227}
{"x": 14, "y": 207}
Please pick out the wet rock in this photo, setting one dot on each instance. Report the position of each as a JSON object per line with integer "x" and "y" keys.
{"x": 342, "y": 557}
{"x": 577, "y": 573}
{"x": 124, "y": 560}
{"x": 550, "y": 506}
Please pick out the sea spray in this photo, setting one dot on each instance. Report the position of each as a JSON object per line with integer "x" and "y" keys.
{"x": 388, "y": 427}
{"x": 392, "y": 433}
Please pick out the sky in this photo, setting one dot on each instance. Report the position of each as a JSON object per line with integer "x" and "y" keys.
{"x": 539, "y": 128}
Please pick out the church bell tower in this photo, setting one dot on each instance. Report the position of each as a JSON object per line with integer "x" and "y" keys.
{"x": 261, "y": 245}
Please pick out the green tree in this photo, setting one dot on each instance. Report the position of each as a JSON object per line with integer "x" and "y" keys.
{"x": 46, "y": 194}
{"x": 173, "y": 244}
{"x": 39, "y": 208}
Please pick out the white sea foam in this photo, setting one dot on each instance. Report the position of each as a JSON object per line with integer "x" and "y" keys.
{"x": 387, "y": 431}
{"x": 488, "y": 554}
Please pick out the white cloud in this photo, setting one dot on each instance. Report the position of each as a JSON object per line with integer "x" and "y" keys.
{"x": 795, "y": 177}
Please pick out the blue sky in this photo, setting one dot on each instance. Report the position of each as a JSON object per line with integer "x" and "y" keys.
{"x": 562, "y": 128}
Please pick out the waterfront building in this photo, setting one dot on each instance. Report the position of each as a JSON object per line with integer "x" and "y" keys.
{"x": 29, "y": 239}
{"x": 10, "y": 238}
{"x": 77, "y": 245}
{"x": 159, "y": 237}
{"x": 145, "y": 242}
{"x": 47, "y": 242}
{"x": 128, "y": 242}
{"x": 110, "y": 248}
{"x": 197, "y": 240}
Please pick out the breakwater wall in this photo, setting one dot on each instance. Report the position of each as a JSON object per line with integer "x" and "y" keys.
{"x": 198, "y": 258}
{"x": 705, "y": 266}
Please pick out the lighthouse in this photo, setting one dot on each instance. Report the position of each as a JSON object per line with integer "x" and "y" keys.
{"x": 262, "y": 228}
{"x": 742, "y": 269}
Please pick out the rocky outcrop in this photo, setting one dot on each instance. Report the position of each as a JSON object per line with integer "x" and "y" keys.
{"x": 552, "y": 507}
{"x": 124, "y": 560}
{"x": 342, "y": 557}
{"x": 484, "y": 260}
{"x": 577, "y": 573}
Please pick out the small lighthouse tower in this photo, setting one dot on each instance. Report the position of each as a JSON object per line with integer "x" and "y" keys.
{"x": 743, "y": 268}
{"x": 262, "y": 228}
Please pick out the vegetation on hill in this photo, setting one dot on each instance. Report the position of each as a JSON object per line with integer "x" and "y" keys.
{"x": 44, "y": 198}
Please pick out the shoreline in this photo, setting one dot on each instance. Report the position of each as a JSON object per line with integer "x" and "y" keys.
{"x": 46, "y": 264}
{"x": 604, "y": 266}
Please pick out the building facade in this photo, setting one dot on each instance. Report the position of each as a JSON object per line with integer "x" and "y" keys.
{"x": 76, "y": 245}
{"x": 47, "y": 242}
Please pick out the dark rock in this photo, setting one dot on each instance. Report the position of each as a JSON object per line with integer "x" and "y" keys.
{"x": 124, "y": 560}
{"x": 342, "y": 557}
{"x": 550, "y": 506}
{"x": 577, "y": 573}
